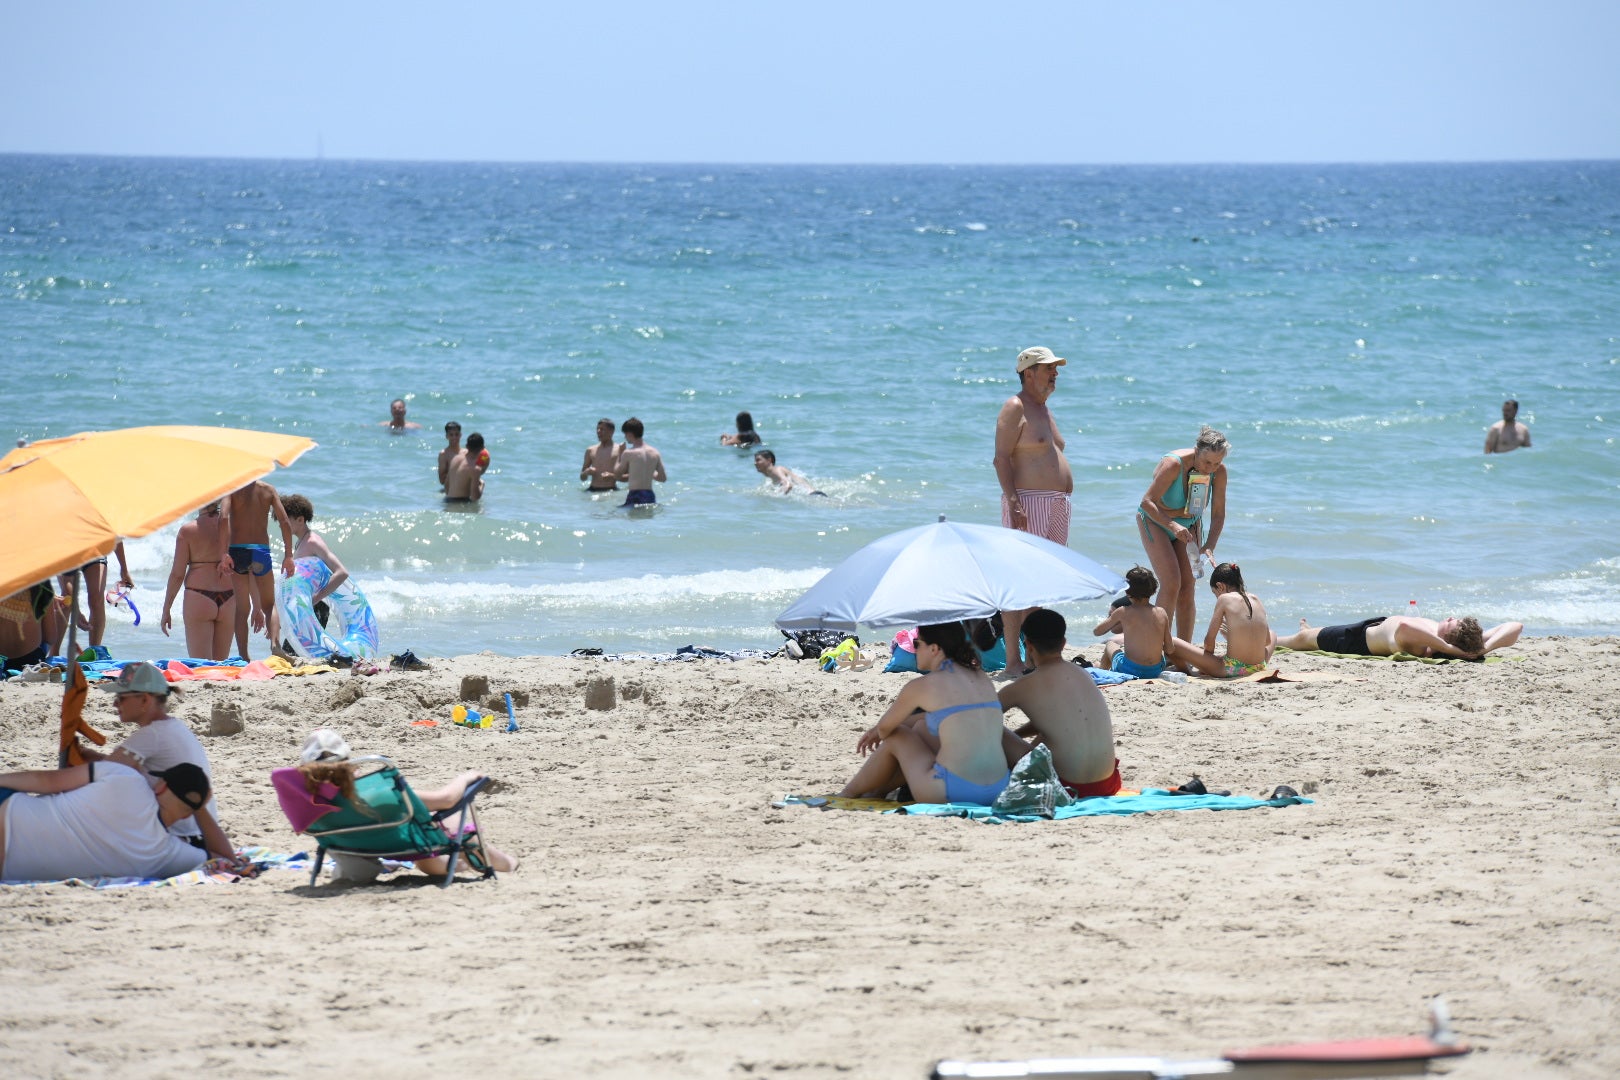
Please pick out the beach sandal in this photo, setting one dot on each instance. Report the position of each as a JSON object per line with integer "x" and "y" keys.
{"x": 1283, "y": 791}
{"x": 407, "y": 661}
{"x": 1195, "y": 786}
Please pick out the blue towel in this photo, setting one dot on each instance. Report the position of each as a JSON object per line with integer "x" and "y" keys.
{"x": 1151, "y": 800}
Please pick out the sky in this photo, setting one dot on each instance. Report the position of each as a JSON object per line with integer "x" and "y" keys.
{"x": 1002, "y": 82}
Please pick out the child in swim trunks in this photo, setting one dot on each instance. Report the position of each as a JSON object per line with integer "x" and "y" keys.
{"x": 1141, "y": 642}
{"x": 1241, "y": 618}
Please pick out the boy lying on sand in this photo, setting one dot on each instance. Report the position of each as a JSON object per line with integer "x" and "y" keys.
{"x": 1388, "y": 635}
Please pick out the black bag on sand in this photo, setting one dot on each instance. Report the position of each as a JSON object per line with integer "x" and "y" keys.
{"x": 811, "y": 643}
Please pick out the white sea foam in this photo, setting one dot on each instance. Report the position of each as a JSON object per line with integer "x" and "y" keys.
{"x": 642, "y": 595}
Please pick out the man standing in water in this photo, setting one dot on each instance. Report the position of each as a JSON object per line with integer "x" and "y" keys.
{"x": 245, "y": 515}
{"x": 639, "y": 465}
{"x": 464, "y": 477}
{"x": 1507, "y": 433}
{"x": 601, "y": 468}
{"x": 1030, "y": 466}
{"x": 452, "y": 438}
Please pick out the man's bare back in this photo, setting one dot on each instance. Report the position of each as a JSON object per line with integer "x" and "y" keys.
{"x": 464, "y": 481}
{"x": 1067, "y": 711}
{"x": 640, "y": 465}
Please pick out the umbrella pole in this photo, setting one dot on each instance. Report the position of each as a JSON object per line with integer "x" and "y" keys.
{"x": 72, "y": 651}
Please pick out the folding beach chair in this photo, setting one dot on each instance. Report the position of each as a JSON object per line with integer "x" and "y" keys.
{"x": 390, "y": 823}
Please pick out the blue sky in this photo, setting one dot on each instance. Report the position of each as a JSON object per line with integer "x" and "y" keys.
{"x": 698, "y": 81}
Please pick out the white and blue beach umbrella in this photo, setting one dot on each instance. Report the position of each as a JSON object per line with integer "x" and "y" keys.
{"x": 947, "y": 571}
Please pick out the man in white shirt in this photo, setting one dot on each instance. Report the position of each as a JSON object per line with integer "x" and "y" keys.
{"x": 97, "y": 820}
{"x": 160, "y": 741}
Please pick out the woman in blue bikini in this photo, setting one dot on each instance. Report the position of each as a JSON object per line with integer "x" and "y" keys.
{"x": 942, "y": 736}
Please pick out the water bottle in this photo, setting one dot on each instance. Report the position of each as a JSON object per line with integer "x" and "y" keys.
{"x": 1411, "y": 608}
{"x": 1170, "y": 675}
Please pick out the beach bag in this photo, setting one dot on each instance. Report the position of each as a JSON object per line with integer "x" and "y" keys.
{"x": 1034, "y": 788}
{"x": 815, "y": 642}
{"x": 903, "y": 654}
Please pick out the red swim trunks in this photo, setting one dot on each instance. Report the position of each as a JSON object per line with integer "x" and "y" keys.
{"x": 1106, "y": 786}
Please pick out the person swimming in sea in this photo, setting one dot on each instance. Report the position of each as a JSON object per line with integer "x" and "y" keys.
{"x": 745, "y": 436}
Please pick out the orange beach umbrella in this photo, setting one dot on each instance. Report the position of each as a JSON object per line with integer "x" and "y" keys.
{"x": 66, "y": 501}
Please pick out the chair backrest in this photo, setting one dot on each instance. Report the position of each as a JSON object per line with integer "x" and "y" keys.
{"x": 389, "y": 819}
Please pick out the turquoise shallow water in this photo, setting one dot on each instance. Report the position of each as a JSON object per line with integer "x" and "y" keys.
{"x": 1352, "y": 329}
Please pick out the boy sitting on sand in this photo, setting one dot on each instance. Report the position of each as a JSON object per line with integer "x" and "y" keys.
{"x": 1066, "y": 711}
{"x": 1142, "y": 645}
{"x": 1242, "y": 617}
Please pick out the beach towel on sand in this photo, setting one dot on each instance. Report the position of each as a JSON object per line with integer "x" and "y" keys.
{"x": 263, "y": 858}
{"x": 1400, "y": 656}
{"x": 1147, "y": 801}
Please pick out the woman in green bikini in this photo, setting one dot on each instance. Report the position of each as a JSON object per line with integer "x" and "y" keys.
{"x": 1170, "y": 521}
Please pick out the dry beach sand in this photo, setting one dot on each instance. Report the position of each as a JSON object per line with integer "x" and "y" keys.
{"x": 667, "y": 921}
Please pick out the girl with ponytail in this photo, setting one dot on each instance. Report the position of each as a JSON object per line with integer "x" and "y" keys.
{"x": 1241, "y": 617}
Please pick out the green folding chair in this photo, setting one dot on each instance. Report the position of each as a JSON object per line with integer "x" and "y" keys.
{"x": 389, "y": 822}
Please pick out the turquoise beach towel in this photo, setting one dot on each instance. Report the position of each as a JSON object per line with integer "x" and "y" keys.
{"x": 1150, "y": 801}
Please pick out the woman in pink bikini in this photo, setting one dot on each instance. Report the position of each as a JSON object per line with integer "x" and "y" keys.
{"x": 942, "y": 736}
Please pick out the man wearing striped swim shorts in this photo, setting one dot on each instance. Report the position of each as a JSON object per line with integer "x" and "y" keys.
{"x": 1034, "y": 474}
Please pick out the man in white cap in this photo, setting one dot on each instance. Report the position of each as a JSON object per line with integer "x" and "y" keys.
{"x": 141, "y": 696}
{"x": 1030, "y": 466}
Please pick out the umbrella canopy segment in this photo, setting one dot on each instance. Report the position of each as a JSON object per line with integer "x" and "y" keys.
{"x": 67, "y": 501}
{"x": 947, "y": 571}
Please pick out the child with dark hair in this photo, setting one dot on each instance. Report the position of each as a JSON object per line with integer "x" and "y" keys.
{"x": 1141, "y": 642}
{"x": 1065, "y": 710}
{"x": 942, "y": 737}
{"x": 1241, "y": 617}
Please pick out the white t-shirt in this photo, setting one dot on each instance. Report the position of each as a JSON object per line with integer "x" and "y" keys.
{"x": 165, "y": 743}
{"x": 108, "y": 828}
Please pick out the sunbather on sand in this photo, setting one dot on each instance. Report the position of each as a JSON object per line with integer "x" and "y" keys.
{"x": 942, "y": 737}
{"x": 1241, "y": 617}
{"x": 1065, "y": 709}
{"x": 1388, "y": 635}
{"x": 1141, "y": 646}
{"x": 325, "y": 759}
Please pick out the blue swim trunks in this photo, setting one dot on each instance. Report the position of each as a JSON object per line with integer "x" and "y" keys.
{"x": 958, "y": 790}
{"x": 642, "y": 497}
{"x": 251, "y": 557}
{"x": 1127, "y": 666}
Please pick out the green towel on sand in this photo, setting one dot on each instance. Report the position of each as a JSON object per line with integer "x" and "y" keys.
{"x": 1399, "y": 656}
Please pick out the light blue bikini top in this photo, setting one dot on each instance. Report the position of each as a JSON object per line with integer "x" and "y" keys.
{"x": 932, "y": 719}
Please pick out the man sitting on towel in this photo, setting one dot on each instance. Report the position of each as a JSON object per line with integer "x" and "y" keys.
{"x": 97, "y": 820}
{"x": 1066, "y": 711}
